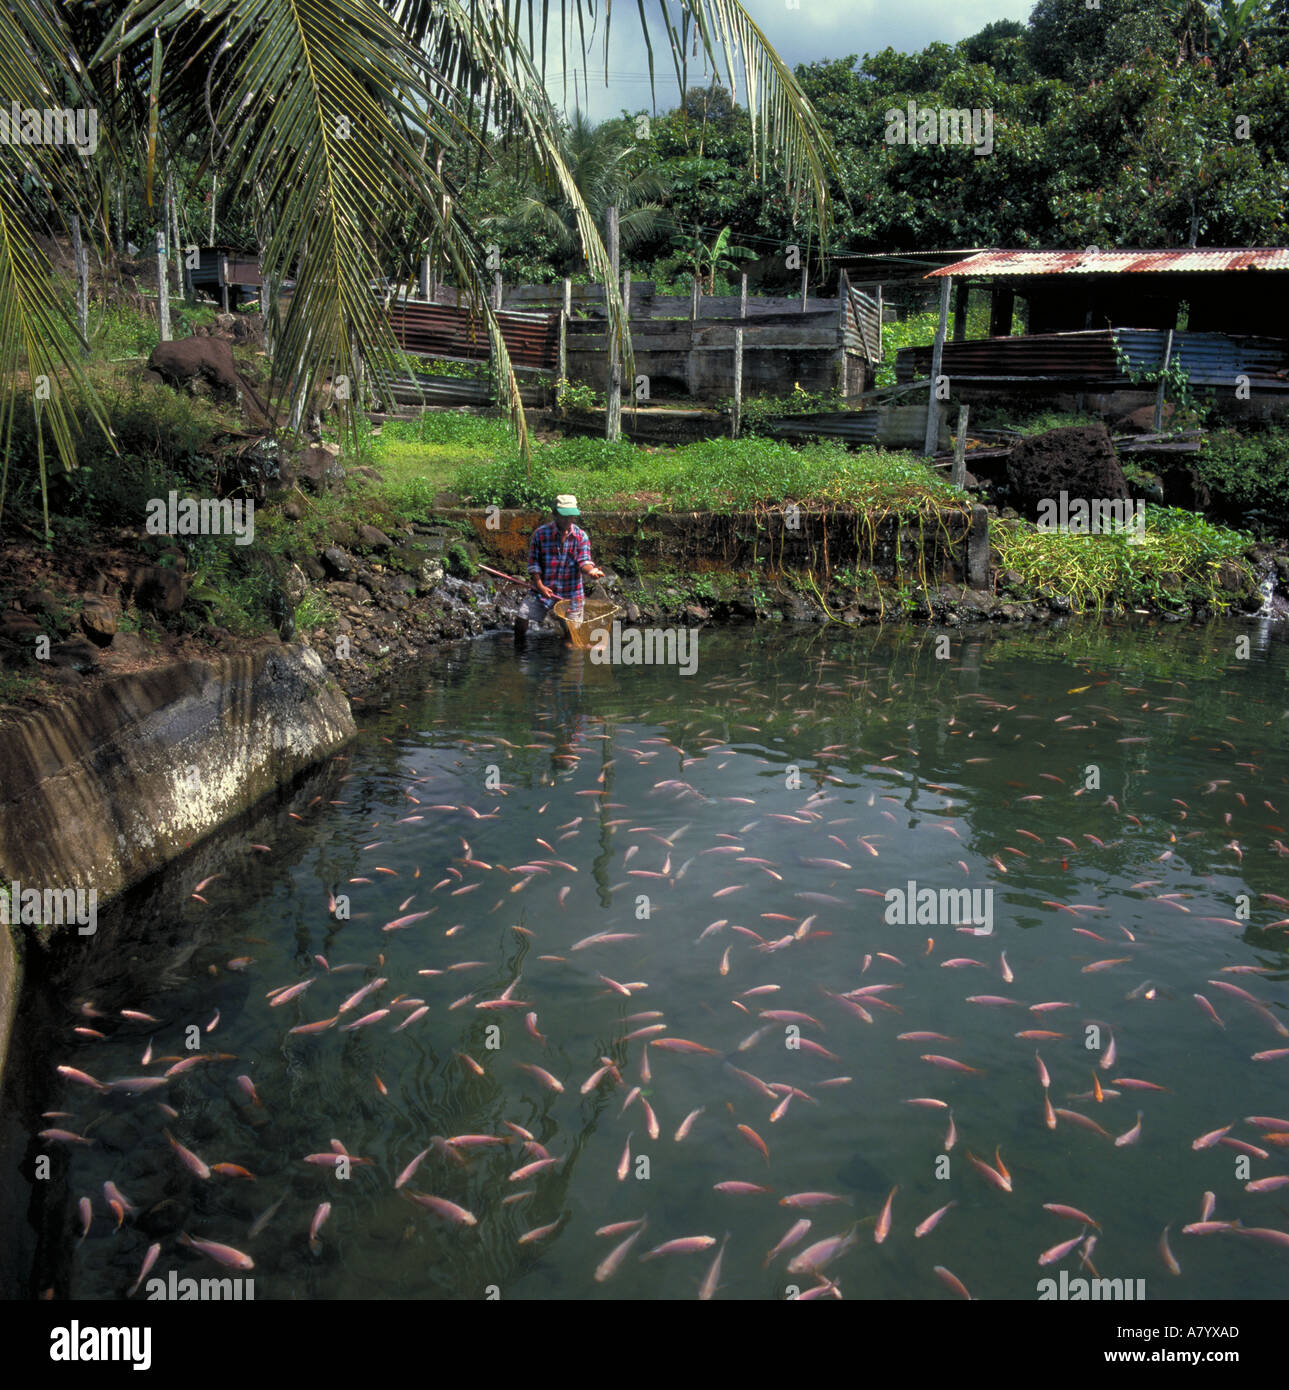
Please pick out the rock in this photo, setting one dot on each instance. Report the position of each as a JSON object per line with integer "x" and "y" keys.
{"x": 186, "y": 362}
{"x": 98, "y": 618}
{"x": 313, "y": 569}
{"x": 292, "y": 510}
{"x": 398, "y": 602}
{"x": 160, "y": 589}
{"x": 373, "y": 538}
{"x": 35, "y": 601}
{"x": 1230, "y": 577}
{"x": 77, "y": 654}
{"x": 1080, "y": 462}
{"x": 313, "y": 465}
{"x": 695, "y": 613}
{"x": 295, "y": 584}
{"x": 355, "y": 593}
{"x": 19, "y": 627}
{"x": 337, "y": 562}
{"x": 431, "y": 574}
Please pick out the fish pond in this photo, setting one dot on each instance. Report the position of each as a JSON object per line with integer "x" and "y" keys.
{"x": 607, "y": 945}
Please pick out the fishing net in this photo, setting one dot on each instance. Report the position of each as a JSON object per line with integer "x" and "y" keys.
{"x": 596, "y": 613}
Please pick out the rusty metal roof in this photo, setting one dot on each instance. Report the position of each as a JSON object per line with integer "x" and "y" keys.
{"x": 1096, "y": 262}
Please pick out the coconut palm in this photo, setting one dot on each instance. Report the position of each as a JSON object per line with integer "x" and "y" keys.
{"x": 598, "y": 159}
{"x": 326, "y": 117}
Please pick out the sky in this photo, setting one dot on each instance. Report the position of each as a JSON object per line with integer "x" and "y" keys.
{"x": 816, "y": 30}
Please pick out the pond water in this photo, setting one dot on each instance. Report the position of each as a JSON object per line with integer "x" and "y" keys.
{"x": 1117, "y": 800}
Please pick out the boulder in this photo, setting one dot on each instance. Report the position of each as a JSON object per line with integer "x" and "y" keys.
{"x": 373, "y": 538}
{"x": 76, "y": 654}
{"x": 99, "y": 618}
{"x": 1080, "y": 462}
{"x": 186, "y": 363}
{"x": 338, "y": 564}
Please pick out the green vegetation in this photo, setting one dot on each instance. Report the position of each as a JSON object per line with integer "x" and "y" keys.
{"x": 1247, "y": 476}
{"x": 1181, "y": 560}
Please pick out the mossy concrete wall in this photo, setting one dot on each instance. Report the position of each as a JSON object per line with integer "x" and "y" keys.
{"x": 99, "y": 793}
{"x": 938, "y": 547}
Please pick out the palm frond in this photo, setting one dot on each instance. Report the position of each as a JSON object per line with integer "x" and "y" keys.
{"x": 37, "y": 182}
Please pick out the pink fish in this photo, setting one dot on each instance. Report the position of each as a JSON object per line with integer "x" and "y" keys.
{"x": 411, "y": 1168}
{"x": 319, "y": 1217}
{"x": 440, "y": 1206}
{"x": 550, "y": 1082}
{"x": 1058, "y": 1252}
{"x": 187, "y": 1157}
{"x": 285, "y": 995}
{"x": 148, "y": 1261}
{"x": 684, "y": 1245}
{"x": 1206, "y": 1141}
{"x": 932, "y": 1221}
{"x": 609, "y": 1265}
{"x": 374, "y": 1017}
{"x": 1071, "y": 1214}
{"x": 222, "y": 1254}
{"x": 687, "y": 1123}
{"x": 739, "y": 1189}
{"x": 811, "y": 1199}
{"x": 796, "y": 1233}
{"x": 948, "y": 1063}
{"x": 1130, "y": 1136}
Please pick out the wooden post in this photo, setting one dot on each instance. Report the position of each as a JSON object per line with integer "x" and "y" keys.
{"x": 496, "y": 292}
{"x": 737, "y": 412}
{"x": 937, "y": 357}
{"x": 694, "y": 295}
{"x": 613, "y": 403}
{"x": 1159, "y": 393}
{"x": 82, "y": 283}
{"x": 742, "y": 296}
{"x": 1000, "y": 311}
{"x": 880, "y": 315}
{"x": 214, "y": 189}
{"x": 613, "y": 398}
{"x": 843, "y": 295}
{"x": 163, "y": 288}
{"x": 223, "y": 282}
{"x": 960, "y": 448}
{"x": 561, "y": 366}
{"x": 961, "y": 291}
{"x": 626, "y": 320}
{"x": 423, "y": 277}
{"x": 611, "y": 227}
{"x": 805, "y": 273}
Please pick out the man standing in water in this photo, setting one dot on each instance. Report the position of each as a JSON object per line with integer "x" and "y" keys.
{"x": 559, "y": 554}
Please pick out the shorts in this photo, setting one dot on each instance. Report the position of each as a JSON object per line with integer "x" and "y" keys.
{"x": 535, "y": 609}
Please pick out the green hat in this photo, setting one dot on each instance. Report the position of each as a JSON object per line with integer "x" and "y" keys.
{"x": 566, "y": 505}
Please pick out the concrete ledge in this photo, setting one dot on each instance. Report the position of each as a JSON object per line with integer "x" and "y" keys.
{"x": 100, "y": 793}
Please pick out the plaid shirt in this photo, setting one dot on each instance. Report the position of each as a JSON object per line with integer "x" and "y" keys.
{"x": 559, "y": 560}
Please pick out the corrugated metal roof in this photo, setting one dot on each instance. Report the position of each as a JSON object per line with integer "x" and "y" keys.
{"x": 1090, "y": 262}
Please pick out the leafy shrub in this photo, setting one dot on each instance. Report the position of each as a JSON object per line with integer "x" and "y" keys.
{"x": 1247, "y": 476}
